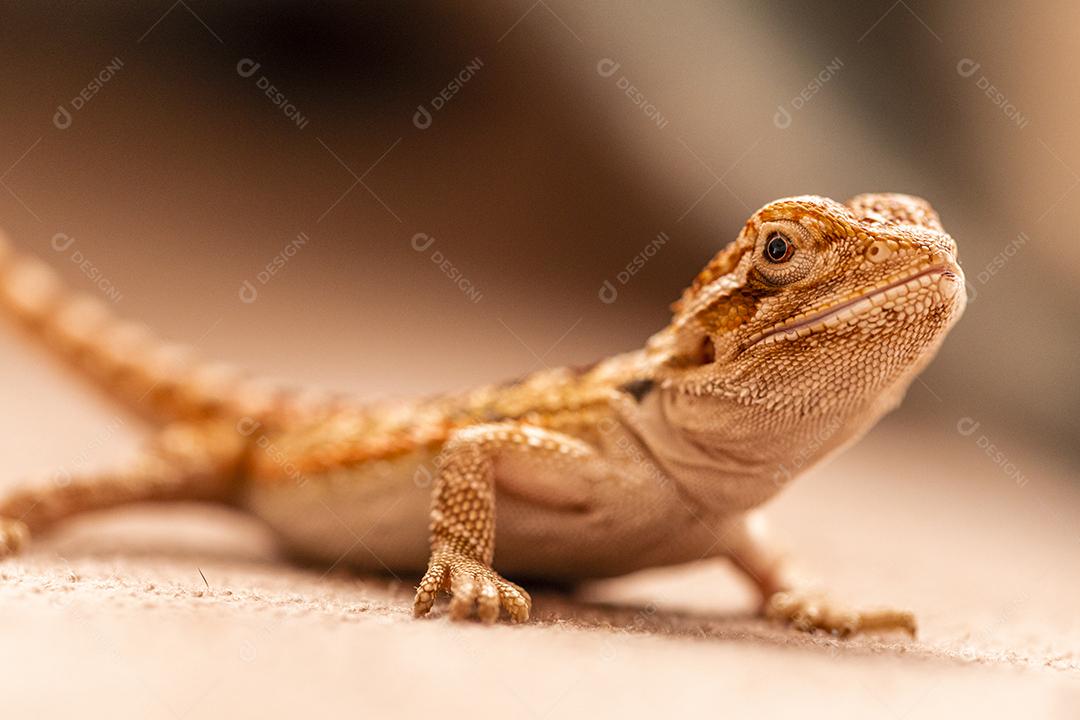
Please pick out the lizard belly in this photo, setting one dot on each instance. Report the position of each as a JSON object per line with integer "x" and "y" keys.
{"x": 380, "y": 524}
{"x": 604, "y": 541}
{"x": 374, "y": 517}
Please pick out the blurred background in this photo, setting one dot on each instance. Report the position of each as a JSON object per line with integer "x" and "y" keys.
{"x": 405, "y": 198}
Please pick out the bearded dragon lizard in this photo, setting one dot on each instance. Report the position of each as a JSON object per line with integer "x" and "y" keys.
{"x": 789, "y": 345}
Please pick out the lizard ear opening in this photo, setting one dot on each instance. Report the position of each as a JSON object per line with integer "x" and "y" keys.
{"x": 698, "y": 354}
{"x": 704, "y": 310}
{"x": 685, "y": 352}
{"x": 706, "y": 353}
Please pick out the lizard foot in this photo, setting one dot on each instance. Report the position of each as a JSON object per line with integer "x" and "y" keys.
{"x": 811, "y": 611}
{"x": 14, "y": 535}
{"x": 473, "y": 587}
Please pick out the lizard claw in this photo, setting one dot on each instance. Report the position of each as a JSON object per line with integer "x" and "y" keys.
{"x": 473, "y": 587}
{"x": 14, "y": 535}
{"x": 810, "y": 611}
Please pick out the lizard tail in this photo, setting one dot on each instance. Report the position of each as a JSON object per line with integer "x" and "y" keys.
{"x": 162, "y": 381}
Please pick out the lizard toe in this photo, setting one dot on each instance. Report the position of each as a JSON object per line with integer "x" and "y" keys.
{"x": 476, "y": 590}
{"x": 516, "y": 601}
{"x": 887, "y": 620}
{"x": 433, "y": 581}
{"x": 487, "y": 601}
{"x": 807, "y": 611}
{"x": 464, "y": 589}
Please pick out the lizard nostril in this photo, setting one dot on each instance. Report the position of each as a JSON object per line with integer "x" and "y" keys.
{"x": 879, "y": 251}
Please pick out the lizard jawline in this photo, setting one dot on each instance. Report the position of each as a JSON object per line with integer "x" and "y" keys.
{"x": 856, "y": 305}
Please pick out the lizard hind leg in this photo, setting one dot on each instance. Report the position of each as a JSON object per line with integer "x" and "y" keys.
{"x": 184, "y": 461}
{"x": 747, "y": 543}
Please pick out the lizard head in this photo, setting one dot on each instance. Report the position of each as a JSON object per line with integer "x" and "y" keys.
{"x": 817, "y": 307}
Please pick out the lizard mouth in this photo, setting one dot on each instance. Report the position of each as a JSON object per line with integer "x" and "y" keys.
{"x": 837, "y": 314}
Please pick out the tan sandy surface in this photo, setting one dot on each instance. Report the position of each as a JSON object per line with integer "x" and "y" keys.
{"x": 112, "y": 617}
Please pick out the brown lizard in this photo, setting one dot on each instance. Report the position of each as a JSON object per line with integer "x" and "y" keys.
{"x": 790, "y": 344}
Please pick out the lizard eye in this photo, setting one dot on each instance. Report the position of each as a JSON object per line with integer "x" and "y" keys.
{"x": 785, "y": 252}
{"x": 778, "y": 248}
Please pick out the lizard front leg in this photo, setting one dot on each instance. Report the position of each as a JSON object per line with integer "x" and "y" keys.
{"x": 785, "y": 599}
{"x": 463, "y": 515}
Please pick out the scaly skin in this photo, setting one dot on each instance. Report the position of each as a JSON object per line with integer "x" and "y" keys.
{"x": 790, "y": 344}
